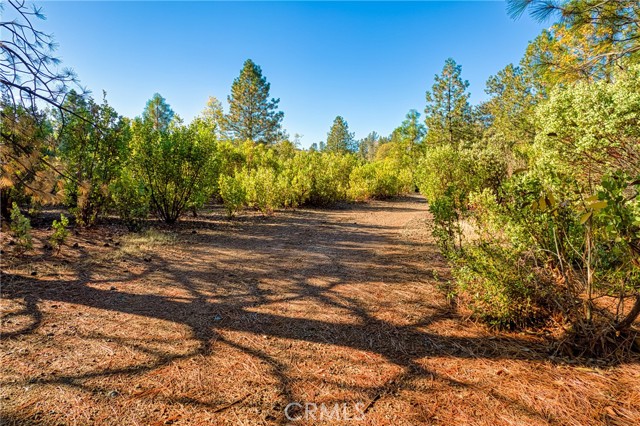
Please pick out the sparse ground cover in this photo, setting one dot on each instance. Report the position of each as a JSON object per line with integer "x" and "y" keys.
{"x": 219, "y": 321}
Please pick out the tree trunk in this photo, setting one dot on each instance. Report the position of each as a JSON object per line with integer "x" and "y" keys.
{"x": 631, "y": 316}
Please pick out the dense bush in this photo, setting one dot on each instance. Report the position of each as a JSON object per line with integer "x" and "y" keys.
{"x": 93, "y": 143}
{"x": 130, "y": 199}
{"x": 329, "y": 174}
{"x": 174, "y": 165}
{"x": 379, "y": 179}
{"x": 232, "y": 193}
{"x": 560, "y": 234}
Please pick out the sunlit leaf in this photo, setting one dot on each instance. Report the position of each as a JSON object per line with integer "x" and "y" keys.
{"x": 585, "y": 217}
{"x": 597, "y": 206}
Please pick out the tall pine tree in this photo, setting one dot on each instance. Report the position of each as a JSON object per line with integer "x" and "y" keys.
{"x": 339, "y": 139}
{"x": 213, "y": 116}
{"x": 252, "y": 115}
{"x": 158, "y": 113}
{"x": 448, "y": 113}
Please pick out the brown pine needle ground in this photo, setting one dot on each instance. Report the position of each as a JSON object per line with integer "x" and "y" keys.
{"x": 231, "y": 323}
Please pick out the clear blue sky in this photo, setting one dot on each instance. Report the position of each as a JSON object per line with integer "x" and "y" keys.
{"x": 368, "y": 61}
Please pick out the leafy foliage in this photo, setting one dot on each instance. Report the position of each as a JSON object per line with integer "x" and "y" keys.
{"x": 60, "y": 232}
{"x": 171, "y": 164}
{"x": 232, "y": 193}
{"x": 131, "y": 200}
{"x": 93, "y": 143}
{"x": 21, "y": 228}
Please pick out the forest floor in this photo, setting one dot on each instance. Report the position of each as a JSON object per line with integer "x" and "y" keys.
{"x": 275, "y": 320}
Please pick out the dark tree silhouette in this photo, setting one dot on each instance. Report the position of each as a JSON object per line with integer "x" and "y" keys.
{"x": 29, "y": 72}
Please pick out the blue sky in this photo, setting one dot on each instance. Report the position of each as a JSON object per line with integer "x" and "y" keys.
{"x": 368, "y": 61}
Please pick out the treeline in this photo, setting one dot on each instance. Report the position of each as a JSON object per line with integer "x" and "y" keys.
{"x": 96, "y": 162}
{"x": 534, "y": 192}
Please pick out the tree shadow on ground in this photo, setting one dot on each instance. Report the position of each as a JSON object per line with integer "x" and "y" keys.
{"x": 221, "y": 285}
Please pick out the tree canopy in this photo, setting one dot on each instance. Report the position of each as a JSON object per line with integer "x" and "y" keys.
{"x": 252, "y": 114}
{"x": 339, "y": 139}
{"x": 448, "y": 112}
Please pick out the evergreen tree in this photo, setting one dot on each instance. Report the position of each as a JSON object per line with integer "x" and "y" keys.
{"x": 510, "y": 112}
{"x": 158, "y": 113}
{"x": 590, "y": 41}
{"x": 339, "y": 139}
{"x": 252, "y": 115}
{"x": 213, "y": 115}
{"x": 448, "y": 113}
{"x": 367, "y": 146}
{"x": 411, "y": 131}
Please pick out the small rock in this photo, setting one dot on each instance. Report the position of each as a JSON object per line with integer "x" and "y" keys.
{"x": 34, "y": 273}
{"x": 75, "y": 245}
{"x": 105, "y": 245}
{"x": 117, "y": 244}
{"x": 194, "y": 232}
{"x": 113, "y": 394}
{"x": 12, "y": 243}
{"x": 48, "y": 247}
{"x": 147, "y": 259}
{"x": 217, "y": 318}
{"x": 112, "y": 288}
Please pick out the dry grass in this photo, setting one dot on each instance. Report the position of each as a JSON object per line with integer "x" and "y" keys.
{"x": 231, "y": 323}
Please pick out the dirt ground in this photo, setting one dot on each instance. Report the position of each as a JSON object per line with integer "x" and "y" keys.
{"x": 306, "y": 317}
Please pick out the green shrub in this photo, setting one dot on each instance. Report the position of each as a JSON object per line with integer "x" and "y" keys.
{"x": 60, "y": 232}
{"x": 330, "y": 177}
{"x": 233, "y": 194}
{"x": 502, "y": 286}
{"x": 95, "y": 153}
{"x": 21, "y": 228}
{"x": 130, "y": 200}
{"x": 262, "y": 191}
{"x": 379, "y": 179}
{"x": 294, "y": 180}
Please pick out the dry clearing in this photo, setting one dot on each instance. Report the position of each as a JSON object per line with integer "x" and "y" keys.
{"x": 227, "y": 321}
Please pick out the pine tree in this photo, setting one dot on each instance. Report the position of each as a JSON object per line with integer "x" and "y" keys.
{"x": 339, "y": 139}
{"x": 213, "y": 115}
{"x": 411, "y": 130}
{"x": 448, "y": 113}
{"x": 252, "y": 115}
{"x": 158, "y": 113}
{"x": 367, "y": 146}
